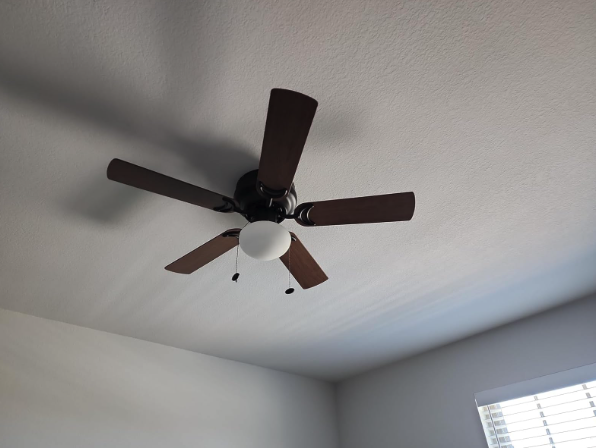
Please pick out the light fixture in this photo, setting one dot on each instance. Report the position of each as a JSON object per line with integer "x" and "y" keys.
{"x": 264, "y": 240}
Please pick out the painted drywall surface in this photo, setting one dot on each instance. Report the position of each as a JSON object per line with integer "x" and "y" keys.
{"x": 428, "y": 400}
{"x": 66, "y": 386}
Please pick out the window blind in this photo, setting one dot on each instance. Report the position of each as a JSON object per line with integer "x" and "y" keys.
{"x": 557, "y": 418}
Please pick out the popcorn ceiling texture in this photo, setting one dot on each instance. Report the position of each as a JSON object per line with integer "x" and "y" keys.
{"x": 486, "y": 110}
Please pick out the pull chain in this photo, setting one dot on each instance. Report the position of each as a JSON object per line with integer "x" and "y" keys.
{"x": 236, "y": 275}
{"x": 290, "y": 290}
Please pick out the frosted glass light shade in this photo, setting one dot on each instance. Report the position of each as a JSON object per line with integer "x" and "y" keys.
{"x": 264, "y": 240}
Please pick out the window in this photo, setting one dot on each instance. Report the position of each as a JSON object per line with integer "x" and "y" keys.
{"x": 559, "y": 418}
{"x": 562, "y": 417}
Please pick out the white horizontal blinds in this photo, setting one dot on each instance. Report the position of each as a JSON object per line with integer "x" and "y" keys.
{"x": 560, "y": 418}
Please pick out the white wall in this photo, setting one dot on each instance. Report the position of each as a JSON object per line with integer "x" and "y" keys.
{"x": 66, "y": 386}
{"x": 428, "y": 401}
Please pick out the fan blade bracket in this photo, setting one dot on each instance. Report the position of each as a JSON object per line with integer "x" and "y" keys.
{"x": 271, "y": 194}
{"x": 228, "y": 207}
{"x": 234, "y": 233}
{"x": 301, "y": 214}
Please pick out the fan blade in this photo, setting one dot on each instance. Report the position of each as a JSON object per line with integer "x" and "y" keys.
{"x": 302, "y": 265}
{"x": 139, "y": 177}
{"x": 368, "y": 209}
{"x": 206, "y": 253}
{"x": 288, "y": 122}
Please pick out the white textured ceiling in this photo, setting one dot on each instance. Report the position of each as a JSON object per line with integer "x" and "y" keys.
{"x": 486, "y": 110}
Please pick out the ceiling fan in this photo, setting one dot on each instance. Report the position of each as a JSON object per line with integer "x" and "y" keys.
{"x": 266, "y": 197}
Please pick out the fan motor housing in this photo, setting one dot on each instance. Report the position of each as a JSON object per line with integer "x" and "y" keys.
{"x": 256, "y": 207}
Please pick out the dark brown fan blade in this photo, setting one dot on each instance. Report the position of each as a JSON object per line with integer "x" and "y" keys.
{"x": 288, "y": 122}
{"x": 139, "y": 177}
{"x": 206, "y": 253}
{"x": 368, "y": 209}
{"x": 302, "y": 265}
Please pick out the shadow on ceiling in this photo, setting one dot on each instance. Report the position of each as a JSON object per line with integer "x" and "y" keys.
{"x": 215, "y": 160}
{"x": 59, "y": 67}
